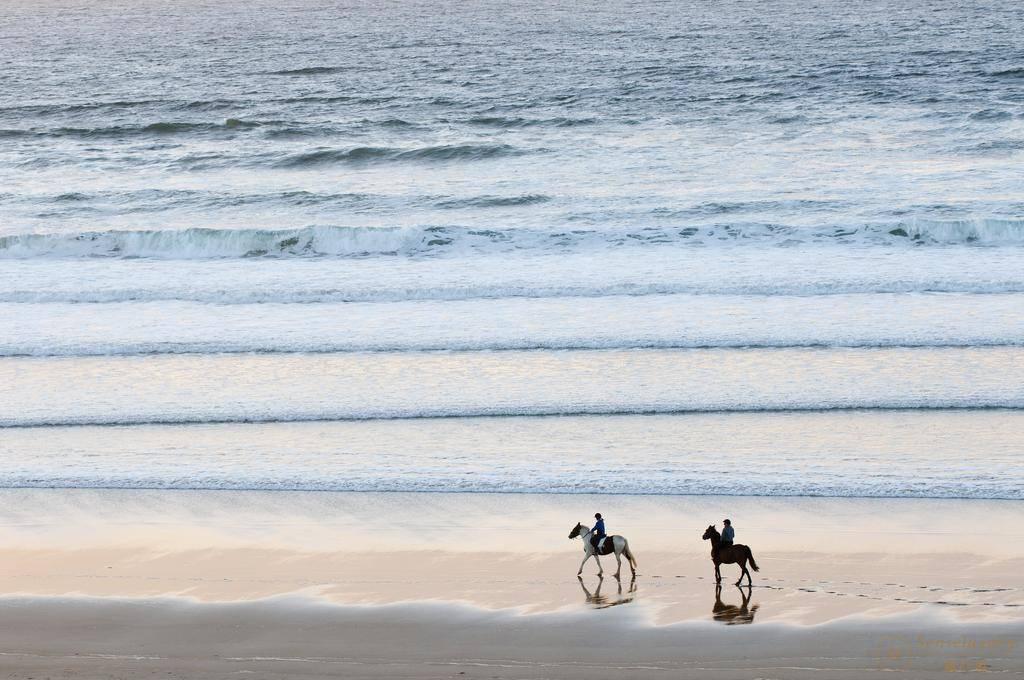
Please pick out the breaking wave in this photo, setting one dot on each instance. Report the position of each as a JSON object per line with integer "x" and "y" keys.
{"x": 163, "y": 128}
{"x": 1007, "y": 73}
{"x": 370, "y": 154}
{"x": 128, "y": 419}
{"x": 520, "y": 122}
{"x": 481, "y": 291}
{"x": 987, "y": 231}
{"x": 320, "y": 241}
{"x": 418, "y": 481}
{"x": 144, "y": 348}
{"x": 314, "y": 70}
{"x": 492, "y": 201}
{"x": 220, "y": 243}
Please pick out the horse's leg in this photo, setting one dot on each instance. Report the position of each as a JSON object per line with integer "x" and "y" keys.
{"x": 585, "y": 558}
{"x": 600, "y": 569}
{"x": 618, "y": 560}
{"x": 718, "y": 573}
{"x": 743, "y": 570}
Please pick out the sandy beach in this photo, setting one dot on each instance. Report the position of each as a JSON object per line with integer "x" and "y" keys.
{"x": 199, "y": 584}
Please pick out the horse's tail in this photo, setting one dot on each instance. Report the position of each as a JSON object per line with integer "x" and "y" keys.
{"x": 750, "y": 556}
{"x": 629, "y": 555}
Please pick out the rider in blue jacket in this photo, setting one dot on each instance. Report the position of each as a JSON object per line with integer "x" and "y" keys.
{"x": 597, "y": 533}
{"x": 599, "y": 527}
{"x": 728, "y": 534}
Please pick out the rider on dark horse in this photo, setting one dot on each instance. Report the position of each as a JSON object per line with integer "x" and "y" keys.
{"x": 733, "y": 553}
{"x": 597, "y": 533}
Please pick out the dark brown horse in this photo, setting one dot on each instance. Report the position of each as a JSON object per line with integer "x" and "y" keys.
{"x": 732, "y": 554}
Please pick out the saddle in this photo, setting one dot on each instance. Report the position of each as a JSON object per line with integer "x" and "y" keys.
{"x": 725, "y": 552}
{"x": 602, "y": 546}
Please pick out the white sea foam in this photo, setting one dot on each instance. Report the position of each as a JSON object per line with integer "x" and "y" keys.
{"x": 662, "y": 270}
{"x": 321, "y": 241}
{"x": 215, "y": 243}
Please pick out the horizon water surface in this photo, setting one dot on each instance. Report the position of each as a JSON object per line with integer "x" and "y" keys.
{"x": 646, "y": 248}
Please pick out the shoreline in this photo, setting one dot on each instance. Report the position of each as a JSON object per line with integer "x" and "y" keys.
{"x": 368, "y": 585}
{"x": 530, "y": 493}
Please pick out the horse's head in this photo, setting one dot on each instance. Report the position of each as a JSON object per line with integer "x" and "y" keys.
{"x": 575, "y": 530}
{"x": 710, "y": 532}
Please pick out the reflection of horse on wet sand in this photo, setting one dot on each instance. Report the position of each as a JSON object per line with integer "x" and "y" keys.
{"x": 730, "y": 614}
{"x": 732, "y": 554}
{"x": 600, "y": 601}
{"x": 610, "y": 544}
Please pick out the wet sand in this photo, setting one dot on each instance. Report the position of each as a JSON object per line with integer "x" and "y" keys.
{"x": 109, "y": 638}
{"x": 212, "y": 584}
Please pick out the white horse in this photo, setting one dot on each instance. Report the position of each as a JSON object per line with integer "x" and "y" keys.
{"x": 620, "y": 545}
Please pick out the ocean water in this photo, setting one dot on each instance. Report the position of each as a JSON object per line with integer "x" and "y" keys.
{"x": 647, "y": 247}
